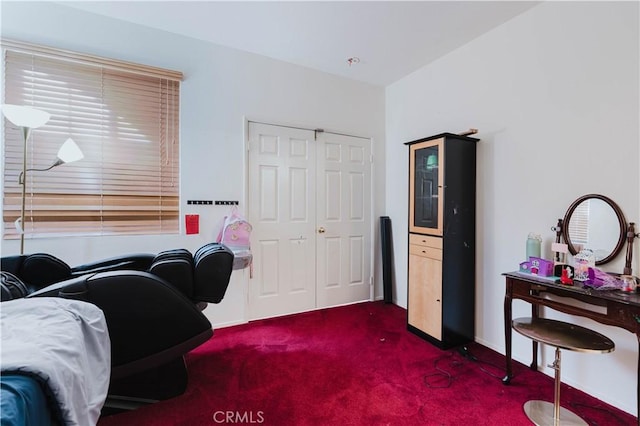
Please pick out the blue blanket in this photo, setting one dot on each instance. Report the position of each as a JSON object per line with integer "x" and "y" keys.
{"x": 23, "y": 402}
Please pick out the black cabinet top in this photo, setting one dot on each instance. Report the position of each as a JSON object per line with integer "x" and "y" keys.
{"x": 444, "y": 135}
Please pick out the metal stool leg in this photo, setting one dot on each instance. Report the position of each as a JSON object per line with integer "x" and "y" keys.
{"x": 556, "y": 392}
{"x": 543, "y": 413}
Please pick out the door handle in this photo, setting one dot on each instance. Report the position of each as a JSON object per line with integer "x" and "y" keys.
{"x": 321, "y": 230}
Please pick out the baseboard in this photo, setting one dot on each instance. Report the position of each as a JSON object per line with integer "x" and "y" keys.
{"x": 227, "y": 324}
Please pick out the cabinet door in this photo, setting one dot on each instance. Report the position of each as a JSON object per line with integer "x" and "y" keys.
{"x": 425, "y": 293}
{"x": 426, "y": 178}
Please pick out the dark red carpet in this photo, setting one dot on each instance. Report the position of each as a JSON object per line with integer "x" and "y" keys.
{"x": 352, "y": 365}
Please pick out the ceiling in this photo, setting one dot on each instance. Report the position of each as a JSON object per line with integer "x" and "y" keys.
{"x": 391, "y": 39}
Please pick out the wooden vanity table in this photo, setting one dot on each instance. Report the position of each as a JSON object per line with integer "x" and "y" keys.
{"x": 596, "y": 222}
{"x": 615, "y": 308}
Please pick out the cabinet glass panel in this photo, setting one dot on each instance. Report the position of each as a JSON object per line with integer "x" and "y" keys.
{"x": 426, "y": 183}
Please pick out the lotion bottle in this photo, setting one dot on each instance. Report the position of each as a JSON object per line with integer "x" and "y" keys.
{"x": 534, "y": 243}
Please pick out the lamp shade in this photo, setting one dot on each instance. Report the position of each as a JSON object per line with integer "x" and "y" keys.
{"x": 25, "y": 116}
{"x": 70, "y": 152}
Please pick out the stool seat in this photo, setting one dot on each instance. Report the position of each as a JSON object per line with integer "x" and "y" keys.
{"x": 563, "y": 335}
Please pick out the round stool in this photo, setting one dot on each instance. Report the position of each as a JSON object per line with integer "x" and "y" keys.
{"x": 562, "y": 335}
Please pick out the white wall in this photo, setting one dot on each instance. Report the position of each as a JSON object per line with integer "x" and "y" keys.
{"x": 554, "y": 93}
{"x": 222, "y": 88}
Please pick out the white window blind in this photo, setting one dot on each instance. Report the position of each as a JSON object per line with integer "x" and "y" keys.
{"x": 579, "y": 223}
{"x": 125, "y": 119}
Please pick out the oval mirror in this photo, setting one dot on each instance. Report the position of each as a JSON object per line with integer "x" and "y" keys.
{"x": 595, "y": 222}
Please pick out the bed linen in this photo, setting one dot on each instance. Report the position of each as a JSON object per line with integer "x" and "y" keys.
{"x": 65, "y": 345}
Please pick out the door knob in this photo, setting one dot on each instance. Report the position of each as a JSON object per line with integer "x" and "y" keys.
{"x": 321, "y": 230}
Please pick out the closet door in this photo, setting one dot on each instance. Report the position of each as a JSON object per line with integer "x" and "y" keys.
{"x": 344, "y": 220}
{"x": 282, "y": 211}
{"x": 310, "y": 207}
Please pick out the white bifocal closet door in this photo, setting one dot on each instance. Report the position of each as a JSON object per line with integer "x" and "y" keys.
{"x": 344, "y": 219}
{"x": 282, "y": 206}
{"x": 310, "y": 207}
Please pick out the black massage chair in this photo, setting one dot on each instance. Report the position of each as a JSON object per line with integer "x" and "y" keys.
{"x": 152, "y": 305}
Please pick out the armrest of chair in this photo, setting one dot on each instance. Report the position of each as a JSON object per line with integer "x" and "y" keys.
{"x": 134, "y": 262}
{"x": 175, "y": 267}
{"x": 74, "y": 288}
{"x": 213, "y": 265}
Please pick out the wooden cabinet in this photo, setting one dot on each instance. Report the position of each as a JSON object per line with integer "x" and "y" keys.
{"x": 425, "y": 266}
{"x": 441, "y": 275}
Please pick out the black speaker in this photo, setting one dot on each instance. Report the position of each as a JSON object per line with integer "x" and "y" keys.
{"x": 385, "y": 239}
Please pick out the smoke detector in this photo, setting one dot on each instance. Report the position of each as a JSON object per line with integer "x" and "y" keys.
{"x": 353, "y": 60}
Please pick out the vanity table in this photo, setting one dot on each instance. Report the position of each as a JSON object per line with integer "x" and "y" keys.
{"x": 610, "y": 307}
{"x": 615, "y": 308}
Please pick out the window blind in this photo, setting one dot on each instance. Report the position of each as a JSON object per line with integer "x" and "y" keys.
{"x": 125, "y": 119}
{"x": 579, "y": 224}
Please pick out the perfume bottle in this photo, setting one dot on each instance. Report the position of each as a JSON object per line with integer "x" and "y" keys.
{"x": 582, "y": 262}
{"x": 534, "y": 242}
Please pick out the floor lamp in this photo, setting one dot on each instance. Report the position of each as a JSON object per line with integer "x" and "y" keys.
{"x": 28, "y": 118}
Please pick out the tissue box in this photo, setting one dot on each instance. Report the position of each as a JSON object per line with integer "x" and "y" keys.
{"x": 539, "y": 266}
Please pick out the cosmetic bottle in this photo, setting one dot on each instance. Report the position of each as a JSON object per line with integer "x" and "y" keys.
{"x": 582, "y": 262}
{"x": 534, "y": 242}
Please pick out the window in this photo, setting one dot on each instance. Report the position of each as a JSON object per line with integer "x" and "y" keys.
{"x": 125, "y": 119}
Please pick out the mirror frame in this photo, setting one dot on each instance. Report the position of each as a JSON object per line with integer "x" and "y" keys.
{"x": 621, "y": 220}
